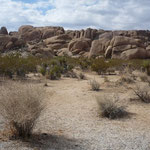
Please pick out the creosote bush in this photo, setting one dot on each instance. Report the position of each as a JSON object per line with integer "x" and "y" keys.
{"x": 111, "y": 108}
{"x": 95, "y": 86}
{"x": 143, "y": 94}
{"x": 20, "y": 106}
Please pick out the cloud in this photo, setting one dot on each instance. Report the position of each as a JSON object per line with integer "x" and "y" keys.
{"x": 72, "y": 14}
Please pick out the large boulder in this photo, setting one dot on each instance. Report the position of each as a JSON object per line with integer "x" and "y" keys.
{"x": 137, "y": 53}
{"x": 29, "y": 33}
{"x": 48, "y": 32}
{"x": 79, "y": 45}
{"x": 58, "y": 42}
{"x": 64, "y": 52}
{"x": 99, "y": 46}
{"x": 122, "y": 40}
{"x": 4, "y": 31}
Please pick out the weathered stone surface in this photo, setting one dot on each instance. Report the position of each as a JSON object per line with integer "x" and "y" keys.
{"x": 30, "y": 33}
{"x": 138, "y": 53}
{"x": 120, "y": 42}
{"x": 58, "y": 42}
{"x": 108, "y": 52}
{"x": 78, "y": 45}
{"x": 88, "y": 33}
{"x": 4, "y": 31}
{"x": 99, "y": 46}
{"x": 8, "y": 42}
{"x": 64, "y": 52}
{"x": 48, "y": 32}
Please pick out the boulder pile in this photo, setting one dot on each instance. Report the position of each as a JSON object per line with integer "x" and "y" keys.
{"x": 55, "y": 41}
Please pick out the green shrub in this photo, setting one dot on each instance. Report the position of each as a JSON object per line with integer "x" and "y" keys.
{"x": 53, "y": 73}
{"x": 100, "y": 66}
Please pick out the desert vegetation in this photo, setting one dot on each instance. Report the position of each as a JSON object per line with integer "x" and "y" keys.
{"x": 95, "y": 85}
{"x": 22, "y": 102}
{"x": 111, "y": 108}
{"x": 20, "y": 106}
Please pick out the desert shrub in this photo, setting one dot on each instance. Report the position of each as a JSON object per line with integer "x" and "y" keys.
{"x": 21, "y": 106}
{"x": 82, "y": 76}
{"x": 95, "y": 86}
{"x": 146, "y": 65}
{"x": 99, "y": 66}
{"x": 111, "y": 108}
{"x": 71, "y": 74}
{"x": 144, "y": 77}
{"x": 143, "y": 94}
{"x": 106, "y": 79}
{"x": 127, "y": 79}
{"x": 102, "y": 66}
{"x": 16, "y": 65}
{"x": 53, "y": 73}
{"x": 84, "y": 63}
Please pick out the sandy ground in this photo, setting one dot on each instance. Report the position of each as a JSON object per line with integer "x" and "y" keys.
{"x": 71, "y": 120}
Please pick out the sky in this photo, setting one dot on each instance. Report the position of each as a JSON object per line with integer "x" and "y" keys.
{"x": 76, "y": 14}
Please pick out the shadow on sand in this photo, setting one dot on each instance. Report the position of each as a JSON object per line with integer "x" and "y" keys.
{"x": 53, "y": 142}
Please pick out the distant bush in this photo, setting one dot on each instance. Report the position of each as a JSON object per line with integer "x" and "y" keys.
{"x": 95, "y": 86}
{"x": 21, "y": 106}
{"x": 53, "y": 73}
{"x": 110, "y": 108}
{"x": 16, "y": 65}
{"x": 102, "y": 66}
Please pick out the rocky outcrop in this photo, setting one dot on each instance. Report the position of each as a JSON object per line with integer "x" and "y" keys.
{"x": 64, "y": 52}
{"x": 9, "y": 42}
{"x": 122, "y": 45}
{"x": 58, "y": 42}
{"x": 30, "y": 33}
{"x": 4, "y": 31}
{"x": 79, "y": 46}
{"x": 88, "y": 33}
{"x": 50, "y": 41}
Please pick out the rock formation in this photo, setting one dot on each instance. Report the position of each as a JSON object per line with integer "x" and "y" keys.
{"x": 50, "y": 41}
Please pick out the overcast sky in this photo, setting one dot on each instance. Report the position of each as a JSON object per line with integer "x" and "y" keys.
{"x": 76, "y": 14}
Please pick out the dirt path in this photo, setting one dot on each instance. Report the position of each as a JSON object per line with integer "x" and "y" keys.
{"x": 71, "y": 120}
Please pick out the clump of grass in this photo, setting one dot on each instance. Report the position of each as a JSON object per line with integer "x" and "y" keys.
{"x": 111, "y": 108}
{"x": 95, "y": 86}
{"x": 20, "y": 106}
{"x": 143, "y": 94}
{"x": 106, "y": 79}
{"x": 127, "y": 79}
{"x": 82, "y": 76}
{"x": 71, "y": 74}
{"x": 144, "y": 77}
